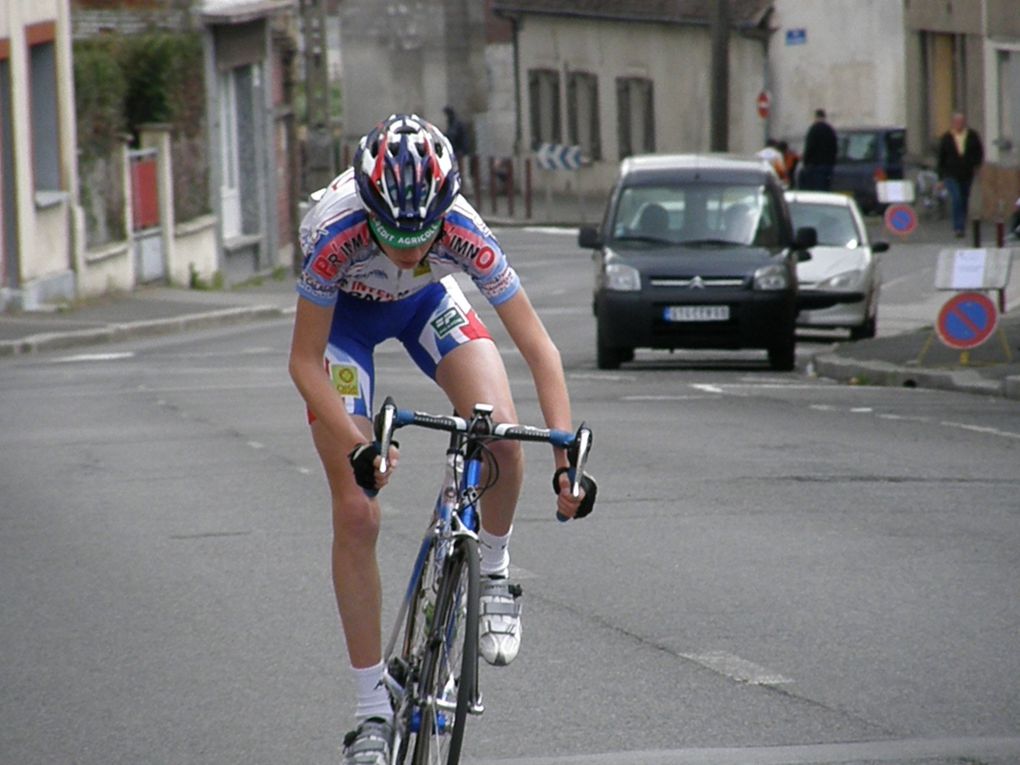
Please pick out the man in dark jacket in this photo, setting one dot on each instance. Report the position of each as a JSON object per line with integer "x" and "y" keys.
{"x": 960, "y": 155}
{"x": 819, "y": 155}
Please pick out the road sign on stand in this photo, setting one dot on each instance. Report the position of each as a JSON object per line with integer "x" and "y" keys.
{"x": 763, "y": 104}
{"x": 966, "y": 320}
{"x": 555, "y": 156}
{"x": 900, "y": 219}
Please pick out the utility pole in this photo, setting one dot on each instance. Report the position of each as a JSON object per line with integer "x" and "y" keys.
{"x": 719, "y": 85}
{"x": 319, "y": 167}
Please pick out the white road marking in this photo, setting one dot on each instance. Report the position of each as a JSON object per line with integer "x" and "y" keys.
{"x": 708, "y": 388}
{"x": 678, "y": 397}
{"x": 735, "y": 668}
{"x": 80, "y": 357}
{"x": 551, "y": 230}
{"x": 979, "y": 429}
{"x": 885, "y": 750}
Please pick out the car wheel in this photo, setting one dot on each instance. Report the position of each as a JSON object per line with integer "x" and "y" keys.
{"x": 783, "y": 356}
{"x": 866, "y": 330}
{"x": 608, "y": 357}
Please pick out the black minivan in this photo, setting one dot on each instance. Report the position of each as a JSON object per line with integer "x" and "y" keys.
{"x": 696, "y": 251}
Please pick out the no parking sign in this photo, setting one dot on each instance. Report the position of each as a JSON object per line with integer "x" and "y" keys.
{"x": 900, "y": 219}
{"x": 966, "y": 320}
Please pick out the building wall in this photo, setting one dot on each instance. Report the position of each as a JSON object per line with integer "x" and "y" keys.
{"x": 850, "y": 61}
{"x": 40, "y": 267}
{"x": 411, "y": 56}
{"x": 676, "y": 58}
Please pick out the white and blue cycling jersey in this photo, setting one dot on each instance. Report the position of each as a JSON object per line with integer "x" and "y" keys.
{"x": 341, "y": 255}
{"x": 374, "y": 300}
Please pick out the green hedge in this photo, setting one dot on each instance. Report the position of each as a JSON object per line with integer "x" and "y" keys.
{"x": 124, "y": 81}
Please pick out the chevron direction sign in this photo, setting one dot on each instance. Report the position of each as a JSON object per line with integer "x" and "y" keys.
{"x": 555, "y": 156}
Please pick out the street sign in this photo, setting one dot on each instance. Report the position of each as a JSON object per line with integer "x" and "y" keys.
{"x": 764, "y": 104}
{"x": 894, "y": 191}
{"x": 555, "y": 156}
{"x": 900, "y": 219}
{"x": 966, "y": 320}
{"x": 796, "y": 36}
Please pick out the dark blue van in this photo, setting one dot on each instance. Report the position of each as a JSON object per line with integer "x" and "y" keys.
{"x": 867, "y": 155}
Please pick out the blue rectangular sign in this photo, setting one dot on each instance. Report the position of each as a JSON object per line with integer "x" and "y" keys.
{"x": 796, "y": 36}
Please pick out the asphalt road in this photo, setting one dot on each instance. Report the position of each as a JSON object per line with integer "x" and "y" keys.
{"x": 780, "y": 570}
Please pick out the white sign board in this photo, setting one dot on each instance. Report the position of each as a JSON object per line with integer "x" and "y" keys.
{"x": 973, "y": 269}
{"x": 890, "y": 192}
{"x": 969, "y": 269}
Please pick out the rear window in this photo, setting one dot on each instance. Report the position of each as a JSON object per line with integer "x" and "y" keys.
{"x": 871, "y": 145}
{"x": 834, "y": 223}
{"x": 697, "y": 213}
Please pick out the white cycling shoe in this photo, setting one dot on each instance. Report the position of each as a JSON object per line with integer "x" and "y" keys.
{"x": 499, "y": 634}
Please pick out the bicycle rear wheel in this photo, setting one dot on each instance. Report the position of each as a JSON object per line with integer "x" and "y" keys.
{"x": 448, "y": 684}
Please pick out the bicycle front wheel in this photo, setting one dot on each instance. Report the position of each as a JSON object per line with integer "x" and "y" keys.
{"x": 448, "y": 683}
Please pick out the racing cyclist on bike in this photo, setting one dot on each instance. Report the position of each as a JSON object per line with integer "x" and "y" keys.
{"x": 379, "y": 247}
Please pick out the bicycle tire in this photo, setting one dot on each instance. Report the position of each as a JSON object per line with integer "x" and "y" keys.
{"x": 450, "y": 665}
{"x": 416, "y": 626}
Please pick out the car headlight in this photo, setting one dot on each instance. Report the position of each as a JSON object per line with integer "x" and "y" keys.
{"x": 622, "y": 278}
{"x": 773, "y": 277}
{"x": 847, "y": 280}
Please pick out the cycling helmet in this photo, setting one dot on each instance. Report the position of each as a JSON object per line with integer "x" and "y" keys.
{"x": 407, "y": 177}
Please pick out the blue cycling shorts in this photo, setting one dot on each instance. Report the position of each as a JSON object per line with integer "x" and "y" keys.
{"x": 429, "y": 324}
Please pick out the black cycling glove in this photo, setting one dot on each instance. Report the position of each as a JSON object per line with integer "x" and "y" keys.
{"x": 587, "y": 483}
{"x": 362, "y": 459}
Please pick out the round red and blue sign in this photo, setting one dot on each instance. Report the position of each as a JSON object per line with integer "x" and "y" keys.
{"x": 900, "y": 219}
{"x": 966, "y": 320}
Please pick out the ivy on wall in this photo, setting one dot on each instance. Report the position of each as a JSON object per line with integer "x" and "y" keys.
{"x": 125, "y": 81}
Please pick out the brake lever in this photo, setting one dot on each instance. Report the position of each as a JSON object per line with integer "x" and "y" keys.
{"x": 384, "y": 432}
{"x": 583, "y": 447}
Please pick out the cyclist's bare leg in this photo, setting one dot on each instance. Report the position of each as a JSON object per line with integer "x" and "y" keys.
{"x": 355, "y": 568}
{"x": 474, "y": 373}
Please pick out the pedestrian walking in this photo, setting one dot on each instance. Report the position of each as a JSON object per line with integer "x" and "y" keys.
{"x": 819, "y": 157}
{"x": 960, "y": 155}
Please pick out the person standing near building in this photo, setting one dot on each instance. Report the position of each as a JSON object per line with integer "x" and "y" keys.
{"x": 819, "y": 157}
{"x": 960, "y": 155}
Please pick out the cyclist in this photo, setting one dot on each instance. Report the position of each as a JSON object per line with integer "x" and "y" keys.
{"x": 379, "y": 247}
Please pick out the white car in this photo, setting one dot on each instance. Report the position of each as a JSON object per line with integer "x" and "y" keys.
{"x": 842, "y": 261}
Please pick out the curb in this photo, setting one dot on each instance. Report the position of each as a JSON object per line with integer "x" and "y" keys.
{"x": 892, "y": 375}
{"x": 48, "y": 341}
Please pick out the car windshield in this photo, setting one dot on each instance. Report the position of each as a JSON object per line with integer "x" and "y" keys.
{"x": 697, "y": 214}
{"x": 834, "y": 223}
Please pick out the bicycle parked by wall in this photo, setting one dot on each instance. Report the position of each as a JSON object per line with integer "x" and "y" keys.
{"x": 432, "y": 653}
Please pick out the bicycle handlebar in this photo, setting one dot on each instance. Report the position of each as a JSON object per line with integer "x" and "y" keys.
{"x": 390, "y": 418}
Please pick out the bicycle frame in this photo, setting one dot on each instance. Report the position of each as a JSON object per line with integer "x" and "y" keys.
{"x": 420, "y": 709}
{"x": 461, "y": 478}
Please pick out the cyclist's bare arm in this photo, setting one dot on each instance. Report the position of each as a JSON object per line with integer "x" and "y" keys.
{"x": 543, "y": 359}
{"x": 308, "y": 345}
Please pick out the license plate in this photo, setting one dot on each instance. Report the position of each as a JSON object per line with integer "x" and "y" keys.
{"x": 697, "y": 313}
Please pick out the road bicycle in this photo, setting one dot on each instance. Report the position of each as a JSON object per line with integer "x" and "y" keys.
{"x": 432, "y": 654}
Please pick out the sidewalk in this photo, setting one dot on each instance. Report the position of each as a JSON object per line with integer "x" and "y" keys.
{"x": 146, "y": 311}
{"x": 912, "y": 359}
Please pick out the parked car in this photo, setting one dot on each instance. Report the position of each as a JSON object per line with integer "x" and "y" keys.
{"x": 695, "y": 251}
{"x": 843, "y": 260}
{"x": 867, "y": 155}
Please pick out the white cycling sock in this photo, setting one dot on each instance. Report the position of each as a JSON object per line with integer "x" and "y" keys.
{"x": 373, "y": 698}
{"x": 495, "y": 553}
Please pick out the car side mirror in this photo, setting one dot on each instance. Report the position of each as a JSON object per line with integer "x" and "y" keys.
{"x": 589, "y": 238}
{"x": 879, "y": 246}
{"x": 805, "y": 238}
